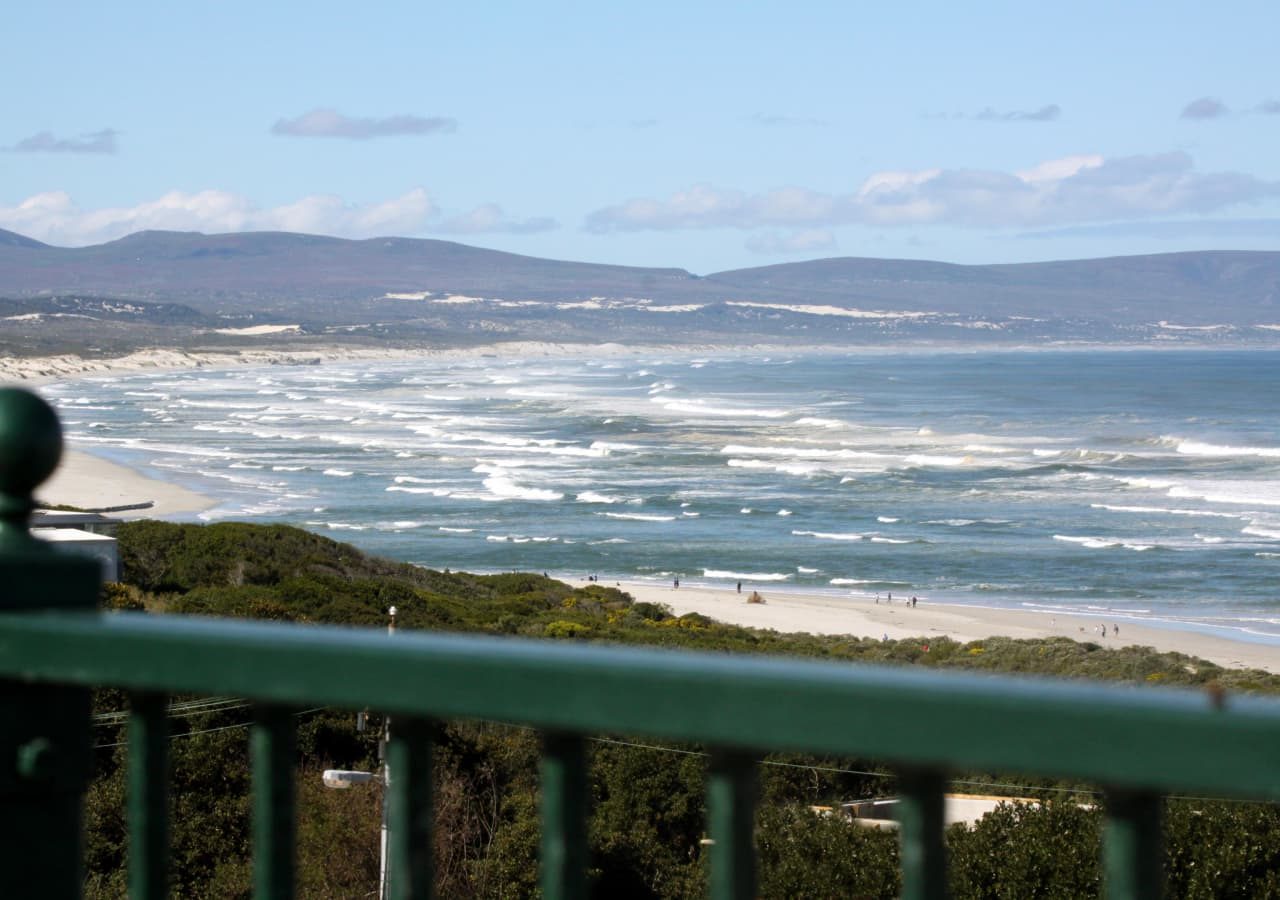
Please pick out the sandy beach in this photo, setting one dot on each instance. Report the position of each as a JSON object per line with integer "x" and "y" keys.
{"x": 864, "y": 617}
{"x": 37, "y": 369}
{"x": 90, "y": 482}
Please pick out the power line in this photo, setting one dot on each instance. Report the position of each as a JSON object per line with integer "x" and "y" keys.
{"x": 184, "y": 734}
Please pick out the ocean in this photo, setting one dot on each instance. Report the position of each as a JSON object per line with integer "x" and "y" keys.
{"x": 1136, "y": 484}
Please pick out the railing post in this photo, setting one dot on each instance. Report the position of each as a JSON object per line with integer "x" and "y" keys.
{"x": 45, "y": 736}
{"x": 564, "y": 817}
{"x": 731, "y": 816}
{"x": 922, "y": 823}
{"x": 1133, "y": 854}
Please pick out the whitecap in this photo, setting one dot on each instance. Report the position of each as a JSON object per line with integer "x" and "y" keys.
{"x": 746, "y": 576}
{"x": 829, "y": 536}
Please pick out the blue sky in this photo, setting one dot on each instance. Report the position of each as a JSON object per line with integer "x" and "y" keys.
{"x": 706, "y": 136}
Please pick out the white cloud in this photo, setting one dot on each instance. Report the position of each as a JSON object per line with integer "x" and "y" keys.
{"x": 103, "y": 141}
{"x": 809, "y": 240}
{"x": 333, "y": 124}
{"x": 1071, "y": 190}
{"x": 489, "y": 218}
{"x": 55, "y": 218}
{"x": 1046, "y": 113}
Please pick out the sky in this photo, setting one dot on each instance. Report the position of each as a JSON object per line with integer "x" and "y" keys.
{"x": 700, "y": 135}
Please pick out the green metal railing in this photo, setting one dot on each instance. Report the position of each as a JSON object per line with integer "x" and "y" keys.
{"x": 1137, "y": 744}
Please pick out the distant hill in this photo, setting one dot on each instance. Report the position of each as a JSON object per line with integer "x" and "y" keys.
{"x": 1208, "y": 287}
{"x": 240, "y": 270}
{"x": 413, "y": 291}
{"x": 13, "y": 239}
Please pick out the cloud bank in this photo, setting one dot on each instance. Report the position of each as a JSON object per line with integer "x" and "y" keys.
{"x": 103, "y": 141}
{"x": 330, "y": 123}
{"x": 1072, "y": 190}
{"x": 1044, "y": 114}
{"x": 55, "y": 218}
{"x": 1204, "y": 108}
{"x": 806, "y": 241}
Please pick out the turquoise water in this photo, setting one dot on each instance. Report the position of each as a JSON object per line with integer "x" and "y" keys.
{"x": 1144, "y": 484}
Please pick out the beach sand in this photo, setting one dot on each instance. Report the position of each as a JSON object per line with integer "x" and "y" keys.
{"x": 90, "y": 482}
{"x": 863, "y": 617}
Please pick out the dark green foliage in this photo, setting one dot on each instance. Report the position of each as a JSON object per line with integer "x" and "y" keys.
{"x": 805, "y": 854}
{"x": 1023, "y": 852}
{"x": 1222, "y": 851}
{"x": 648, "y": 808}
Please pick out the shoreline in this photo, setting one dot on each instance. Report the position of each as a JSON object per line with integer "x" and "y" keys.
{"x": 797, "y": 611}
{"x": 41, "y": 369}
{"x": 87, "y": 480}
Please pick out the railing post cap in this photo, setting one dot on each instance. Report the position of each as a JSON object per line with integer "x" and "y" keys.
{"x": 30, "y": 445}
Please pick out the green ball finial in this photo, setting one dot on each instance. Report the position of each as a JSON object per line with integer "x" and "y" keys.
{"x": 30, "y": 443}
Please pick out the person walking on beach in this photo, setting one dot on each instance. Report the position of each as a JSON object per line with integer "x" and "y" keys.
{"x": 675, "y": 583}
{"x": 739, "y": 587}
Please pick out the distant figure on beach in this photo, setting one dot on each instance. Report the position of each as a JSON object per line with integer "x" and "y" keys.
{"x": 675, "y": 584}
{"x": 1115, "y": 630}
{"x": 913, "y": 602}
{"x": 891, "y": 598}
{"x": 739, "y": 587}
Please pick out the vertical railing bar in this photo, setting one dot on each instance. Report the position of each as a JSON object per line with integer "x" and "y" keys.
{"x": 564, "y": 817}
{"x": 921, "y": 820}
{"x": 271, "y": 743}
{"x": 1133, "y": 855}
{"x": 409, "y": 817}
{"x": 148, "y": 770}
{"x": 731, "y": 806}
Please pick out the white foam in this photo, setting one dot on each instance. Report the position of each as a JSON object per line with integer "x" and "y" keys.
{"x": 639, "y": 517}
{"x": 1161, "y": 510}
{"x": 746, "y": 576}
{"x": 451, "y": 530}
{"x": 432, "y": 491}
{"x": 702, "y": 408}
{"x": 339, "y": 473}
{"x": 1094, "y": 543}
{"x": 504, "y": 488}
{"x": 829, "y": 536}
{"x": 1200, "y": 448}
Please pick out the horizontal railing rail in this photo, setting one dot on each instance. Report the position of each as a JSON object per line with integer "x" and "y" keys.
{"x": 1145, "y": 738}
{"x": 1136, "y": 743}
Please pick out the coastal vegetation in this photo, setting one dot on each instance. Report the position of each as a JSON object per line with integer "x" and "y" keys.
{"x": 648, "y": 814}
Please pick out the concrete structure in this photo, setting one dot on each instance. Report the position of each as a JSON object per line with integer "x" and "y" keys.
{"x": 84, "y": 543}
{"x": 962, "y": 808}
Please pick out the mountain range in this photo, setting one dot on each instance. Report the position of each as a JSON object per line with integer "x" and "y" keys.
{"x": 413, "y": 290}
